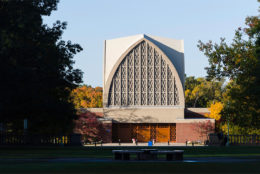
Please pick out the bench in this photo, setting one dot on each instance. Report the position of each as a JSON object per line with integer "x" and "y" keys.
{"x": 172, "y": 154}
{"x": 125, "y": 154}
{"x": 148, "y": 154}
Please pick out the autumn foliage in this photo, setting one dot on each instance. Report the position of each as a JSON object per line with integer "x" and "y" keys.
{"x": 88, "y": 125}
{"x": 87, "y": 97}
{"x": 215, "y": 110}
{"x": 239, "y": 63}
{"x": 200, "y": 92}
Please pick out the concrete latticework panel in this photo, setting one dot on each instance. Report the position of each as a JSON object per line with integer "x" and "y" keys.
{"x": 143, "y": 78}
{"x": 143, "y": 75}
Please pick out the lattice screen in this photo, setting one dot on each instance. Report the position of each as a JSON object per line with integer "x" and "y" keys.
{"x": 143, "y": 79}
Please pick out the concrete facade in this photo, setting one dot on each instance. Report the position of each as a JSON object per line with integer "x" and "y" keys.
{"x": 115, "y": 48}
{"x": 144, "y": 115}
{"x": 143, "y": 93}
{"x": 143, "y": 79}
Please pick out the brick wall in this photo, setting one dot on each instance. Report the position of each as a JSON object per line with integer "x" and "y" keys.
{"x": 193, "y": 131}
{"x": 93, "y": 125}
{"x": 106, "y": 132}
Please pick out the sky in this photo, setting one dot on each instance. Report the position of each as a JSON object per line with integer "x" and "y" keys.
{"x": 90, "y": 22}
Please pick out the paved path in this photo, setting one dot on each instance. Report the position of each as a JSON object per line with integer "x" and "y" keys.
{"x": 142, "y": 144}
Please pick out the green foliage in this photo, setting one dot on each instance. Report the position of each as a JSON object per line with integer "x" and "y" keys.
{"x": 231, "y": 61}
{"x": 36, "y": 70}
{"x": 239, "y": 62}
{"x": 200, "y": 92}
{"x": 237, "y": 130}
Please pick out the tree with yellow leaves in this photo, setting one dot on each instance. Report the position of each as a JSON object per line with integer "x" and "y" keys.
{"x": 201, "y": 93}
{"x": 87, "y": 97}
{"x": 215, "y": 110}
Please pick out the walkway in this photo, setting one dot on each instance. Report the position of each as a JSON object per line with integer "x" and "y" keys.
{"x": 142, "y": 144}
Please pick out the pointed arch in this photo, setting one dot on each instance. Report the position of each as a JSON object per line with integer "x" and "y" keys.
{"x": 143, "y": 76}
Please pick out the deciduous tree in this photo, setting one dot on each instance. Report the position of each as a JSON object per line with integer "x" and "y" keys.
{"x": 215, "y": 110}
{"x": 87, "y": 97}
{"x": 36, "y": 69}
{"x": 201, "y": 93}
{"x": 238, "y": 62}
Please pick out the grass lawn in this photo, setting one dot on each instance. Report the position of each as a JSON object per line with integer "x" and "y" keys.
{"x": 106, "y": 152}
{"x": 126, "y": 167}
{"x": 38, "y": 166}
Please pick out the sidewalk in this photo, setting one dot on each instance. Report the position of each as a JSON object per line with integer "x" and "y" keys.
{"x": 142, "y": 144}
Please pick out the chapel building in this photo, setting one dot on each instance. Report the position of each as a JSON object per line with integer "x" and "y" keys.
{"x": 143, "y": 92}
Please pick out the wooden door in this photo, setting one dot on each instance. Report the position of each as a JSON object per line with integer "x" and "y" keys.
{"x": 124, "y": 132}
{"x": 143, "y": 133}
{"x": 162, "y": 133}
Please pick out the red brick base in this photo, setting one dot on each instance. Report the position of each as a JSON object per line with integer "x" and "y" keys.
{"x": 94, "y": 127}
{"x": 193, "y": 131}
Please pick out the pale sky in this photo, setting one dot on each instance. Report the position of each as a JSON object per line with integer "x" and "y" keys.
{"x": 90, "y": 22}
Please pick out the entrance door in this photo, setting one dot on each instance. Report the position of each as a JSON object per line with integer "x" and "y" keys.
{"x": 124, "y": 132}
{"x": 162, "y": 133}
{"x": 143, "y": 133}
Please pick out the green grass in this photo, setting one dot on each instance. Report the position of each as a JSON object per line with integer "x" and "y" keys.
{"x": 42, "y": 166}
{"x": 136, "y": 168}
{"x": 105, "y": 152}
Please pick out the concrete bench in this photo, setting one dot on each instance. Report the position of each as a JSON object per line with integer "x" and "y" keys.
{"x": 125, "y": 154}
{"x": 148, "y": 154}
{"x": 171, "y": 154}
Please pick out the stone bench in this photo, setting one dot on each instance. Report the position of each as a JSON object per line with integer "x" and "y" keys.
{"x": 171, "y": 155}
{"x": 125, "y": 154}
{"x": 148, "y": 154}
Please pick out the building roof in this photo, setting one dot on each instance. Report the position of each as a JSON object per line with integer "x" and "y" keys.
{"x": 196, "y": 113}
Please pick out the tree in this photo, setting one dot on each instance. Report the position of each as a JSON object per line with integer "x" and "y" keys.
{"x": 88, "y": 126}
{"x": 239, "y": 62}
{"x": 87, "y": 97}
{"x": 215, "y": 111}
{"x": 201, "y": 93}
{"x": 36, "y": 69}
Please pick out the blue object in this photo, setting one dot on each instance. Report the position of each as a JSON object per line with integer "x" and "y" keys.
{"x": 150, "y": 143}
{"x": 25, "y": 124}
